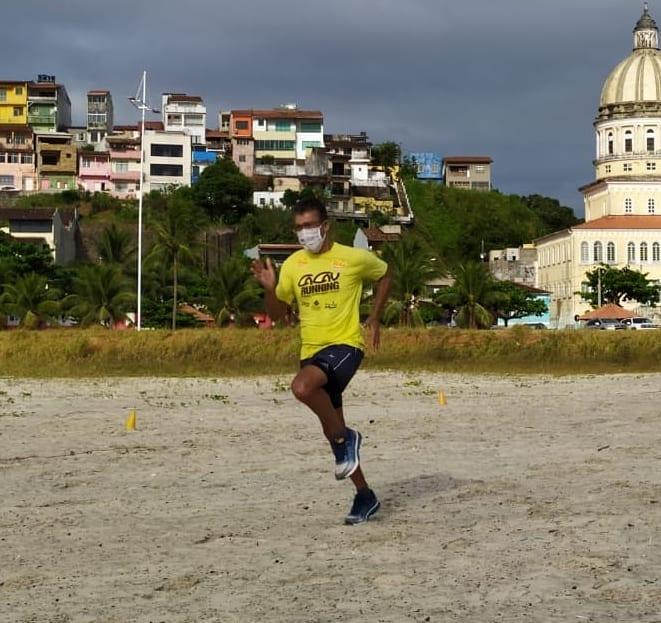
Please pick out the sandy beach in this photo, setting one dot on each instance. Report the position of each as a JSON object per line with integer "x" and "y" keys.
{"x": 523, "y": 499}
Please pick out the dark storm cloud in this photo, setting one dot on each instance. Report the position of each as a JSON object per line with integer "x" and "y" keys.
{"x": 515, "y": 79}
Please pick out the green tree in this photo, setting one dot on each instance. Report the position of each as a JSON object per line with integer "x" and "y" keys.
{"x": 554, "y": 217}
{"x": 30, "y": 300}
{"x": 290, "y": 198}
{"x": 386, "y": 154}
{"x": 115, "y": 246}
{"x": 516, "y": 301}
{"x": 175, "y": 227}
{"x": 224, "y": 192}
{"x": 21, "y": 258}
{"x": 474, "y": 292}
{"x": 619, "y": 285}
{"x": 234, "y": 293}
{"x": 102, "y": 295}
{"x": 412, "y": 268}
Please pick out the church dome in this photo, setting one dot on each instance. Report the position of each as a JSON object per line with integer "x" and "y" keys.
{"x": 638, "y": 77}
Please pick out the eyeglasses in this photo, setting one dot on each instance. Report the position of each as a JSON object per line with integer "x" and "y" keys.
{"x": 303, "y": 226}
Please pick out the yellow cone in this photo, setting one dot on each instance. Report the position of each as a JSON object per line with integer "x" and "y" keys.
{"x": 130, "y": 420}
{"x": 441, "y": 398}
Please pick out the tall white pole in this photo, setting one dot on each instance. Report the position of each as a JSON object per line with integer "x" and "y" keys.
{"x": 142, "y": 176}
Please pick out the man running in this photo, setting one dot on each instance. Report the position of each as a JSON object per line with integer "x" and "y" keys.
{"x": 325, "y": 279}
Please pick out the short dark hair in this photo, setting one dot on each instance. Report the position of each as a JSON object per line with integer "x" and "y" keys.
{"x": 310, "y": 205}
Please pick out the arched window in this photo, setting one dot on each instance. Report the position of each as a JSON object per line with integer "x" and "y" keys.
{"x": 610, "y": 144}
{"x": 585, "y": 253}
{"x": 643, "y": 252}
{"x": 610, "y": 252}
{"x": 631, "y": 253}
{"x": 628, "y": 141}
{"x": 597, "y": 253}
{"x": 628, "y": 206}
{"x": 650, "y": 206}
{"x": 649, "y": 141}
{"x": 656, "y": 252}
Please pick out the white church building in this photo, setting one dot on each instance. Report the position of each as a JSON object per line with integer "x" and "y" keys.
{"x": 623, "y": 204}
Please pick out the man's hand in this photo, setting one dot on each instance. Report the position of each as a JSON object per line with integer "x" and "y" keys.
{"x": 264, "y": 273}
{"x": 374, "y": 326}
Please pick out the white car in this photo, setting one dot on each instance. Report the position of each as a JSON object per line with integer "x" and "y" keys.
{"x": 639, "y": 322}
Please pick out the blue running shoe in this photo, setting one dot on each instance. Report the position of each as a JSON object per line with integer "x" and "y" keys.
{"x": 365, "y": 504}
{"x": 346, "y": 453}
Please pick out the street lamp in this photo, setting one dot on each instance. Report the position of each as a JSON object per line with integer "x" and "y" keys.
{"x": 140, "y": 102}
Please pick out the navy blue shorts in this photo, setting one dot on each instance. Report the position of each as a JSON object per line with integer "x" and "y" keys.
{"x": 339, "y": 363}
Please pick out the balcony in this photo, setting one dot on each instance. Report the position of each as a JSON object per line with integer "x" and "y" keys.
{"x": 42, "y": 120}
{"x": 280, "y": 170}
{"x": 133, "y": 155}
{"x": 632, "y": 155}
{"x": 125, "y": 176}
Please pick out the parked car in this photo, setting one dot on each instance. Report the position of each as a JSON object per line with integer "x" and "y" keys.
{"x": 9, "y": 189}
{"x": 607, "y": 324}
{"x": 639, "y": 322}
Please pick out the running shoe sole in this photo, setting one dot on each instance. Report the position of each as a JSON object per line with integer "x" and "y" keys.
{"x": 352, "y": 521}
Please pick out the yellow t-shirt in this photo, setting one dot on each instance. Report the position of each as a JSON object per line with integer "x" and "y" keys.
{"x": 327, "y": 288}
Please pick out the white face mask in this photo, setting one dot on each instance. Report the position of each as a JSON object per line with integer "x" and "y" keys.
{"x": 312, "y": 239}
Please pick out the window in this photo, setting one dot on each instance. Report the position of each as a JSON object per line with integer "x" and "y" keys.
{"x": 643, "y": 252}
{"x": 86, "y": 163}
{"x": 242, "y": 158}
{"x": 610, "y": 252}
{"x": 2, "y": 157}
{"x": 261, "y": 123}
{"x": 311, "y": 144}
{"x": 650, "y": 206}
{"x": 6, "y": 180}
{"x": 608, "y": 168}
{"x": 651, "y": 166}
{"x": 19, "y": 139}
{"x": 166, "y": 170}
{"x": 610, "y": 144}
{"x": 26, "y": 159}
{"x": 18, "y": 90}
{"x": 628, "y": 206}
{"x": 13, "y": 158}
{"x": 656, "y": 252}
{"x": 167, "y": 151}
{"x": 479, "y": 168}
{"x": 243, "y": 141}
{"x": 18, "y": 111}
{"x": 585, "y": 253}
{"x": 627, "y": 166}
{"x": 649, "y": 140}
{"x": 275, "y": 145}
{"x": 121, "y": 187}
{"x": 282, "y": 126}
{"x": 121, "y": 166}
{"x": 628, "y": 141}
{"x": 310, "y": 126}
{"x": 240, "y": 125}
{"x": 3, "y": 95}
{"x": 597, "y": 253}
{"x": 262, "y": 201}
{"x": 631, "y": 252}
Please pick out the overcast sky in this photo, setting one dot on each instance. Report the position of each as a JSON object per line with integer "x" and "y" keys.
{"x": 518, "y": 80}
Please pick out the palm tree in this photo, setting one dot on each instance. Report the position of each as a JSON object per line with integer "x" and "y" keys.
{"x": 472, "y": 294}
{"x": 175, "y": 226}
{"x": 30, "y": 300}
{"x": 234, "y": 292}
{"x": 412, "y": 268}
{"x": 101, "y": 295}
{"x": 115, "y": 246}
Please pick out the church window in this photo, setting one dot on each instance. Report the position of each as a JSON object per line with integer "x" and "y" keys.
{"x": 585, "y": 253}
{"x": 610, "y": 144}
{"x": 628, "y": 206}
{"x": 656, "y": 252}
{"x": 627, "y": 167}
{"x": 628, "y": 141}
{"x": 643, "y": 252}
{"x": 597, "y": 253}
{"x": 608, "y": 168}
{"x": 610, "y": 252}
{"x": 651, "y": 166}
{"x": 650, "y": 141}
{"x": 631, "y": 252}
{"x": 650, "y": 206}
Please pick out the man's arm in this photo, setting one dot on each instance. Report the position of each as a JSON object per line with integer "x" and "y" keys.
{"x": 373, "y": 322}
{"x": 265, "y": 275}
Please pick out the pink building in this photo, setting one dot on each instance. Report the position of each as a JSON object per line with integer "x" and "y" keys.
{"x": 17, "y": 163}
{"x": 94, "y": 171}
{"x": 125, "y": 164}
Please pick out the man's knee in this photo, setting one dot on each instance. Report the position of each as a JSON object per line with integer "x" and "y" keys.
{"x": 302, "y": 389}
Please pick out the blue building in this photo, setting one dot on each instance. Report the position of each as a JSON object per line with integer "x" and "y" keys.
{"x": 429, "y": 164}
{"x": 201, "y": 160}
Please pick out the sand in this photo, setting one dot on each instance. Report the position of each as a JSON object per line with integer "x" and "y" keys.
{"x": 523, "y": 499}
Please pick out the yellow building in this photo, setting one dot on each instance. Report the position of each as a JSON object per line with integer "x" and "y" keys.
{"x": 13, "y": 102}
{"x": 623, "y": 205}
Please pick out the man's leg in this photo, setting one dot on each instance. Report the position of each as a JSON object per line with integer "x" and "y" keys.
{"x": 358, "y": 478}
{"x": 307, "y": 386}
